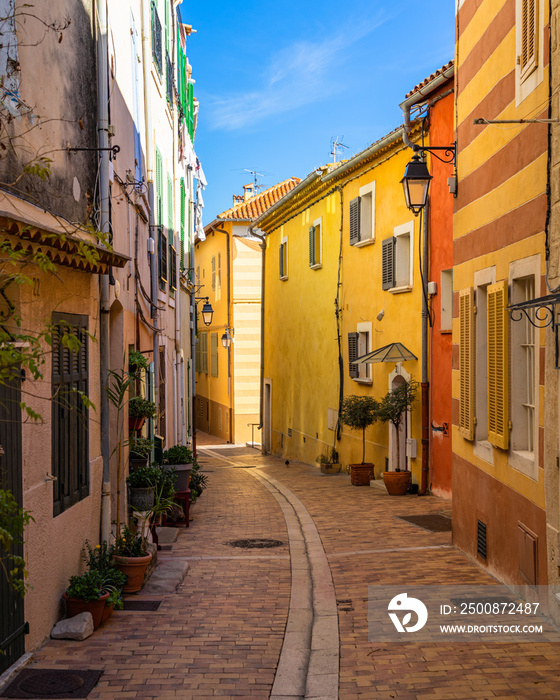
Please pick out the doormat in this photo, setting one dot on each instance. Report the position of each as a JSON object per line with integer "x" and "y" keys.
{"x": 141, "y": 604}
{"x": 433, "y": 522}
{"x": 255, "y": 543}
{"x": 52, "y": 683}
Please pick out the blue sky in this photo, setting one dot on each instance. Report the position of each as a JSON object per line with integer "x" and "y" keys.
{"x": 277, "y": 81}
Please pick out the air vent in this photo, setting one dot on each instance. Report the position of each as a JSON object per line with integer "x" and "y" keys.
{"x": 481, "y": 539}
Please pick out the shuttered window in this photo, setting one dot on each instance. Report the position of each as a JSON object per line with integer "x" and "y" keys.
{"x": 172, "y": 268}
{"x": 355, "y": 207}
{"x": 312, "y": 246}
{"x": 183, "y": 221}
{"x": 353, "y": 354}
{"x": 162, "y": 413}
{"x": 198, "y": 355}
{"x": 162, "y": 257}
{"x": 498, "y": 413}
{"x": 466, "y": 363}
{"x": 283, "y": 260}
{"x": 159, "y": 189}
{"x": 70, "y": 434}
{"x": 203, "y": 342}
{"x": 388, "y": 263}
{"x": 315, "y": 244}
{"x": 213, "y": 272}
{"x": 214, "y": 354}
{"x": 529, "y": 37}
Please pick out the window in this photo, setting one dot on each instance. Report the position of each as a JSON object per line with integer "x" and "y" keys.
{"x": 162, "y": 398}
{"x": 214, "y": 354}
{"x": 498, "y": 423}
{"x": 172, "y": 268}
{"x": 315, "y": 245}
{"x": 359, "y": 344}
{"x": 70, "y": 430}
{"x": 157, "y": 47}
{"x": 201, "y": 353}
{"x": 528, "y": 58}
{"x": 529, "y": 38}
{"x": 283, "y": 259}
{"x": 446, "y": 300}
{"x": 213, "y": 273}
{"x": 466, "y": 363}
{"x": 162, "y": 258}
{"x": 362, "y": 216}
{"x": 397, "y": 259}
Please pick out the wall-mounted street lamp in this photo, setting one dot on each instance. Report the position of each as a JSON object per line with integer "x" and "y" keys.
{"x": 416, "y": 180}
{"x": 207, "y": 310}
{"x": 226, "y": 339}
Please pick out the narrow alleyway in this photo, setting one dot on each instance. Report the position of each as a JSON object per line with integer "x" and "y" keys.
{"x": 240, "y": 614}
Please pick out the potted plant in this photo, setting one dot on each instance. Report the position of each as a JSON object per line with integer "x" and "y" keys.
{"x": 180, "y": 458}
{"x": 329, "y": 462}
{"x": 141, "y": 485}
{"x": 359, "y": 412}
{"x": 137, "y": 362}
{"x": 139, "y": 409}
{"x": 100, "y": 558}
{"x": 132, "y": 557}
{"x": 198, "y": 482}
{"x": 140, "y": 449}
{"x": 91, "y": 592}
{"x": 392, "y": 408}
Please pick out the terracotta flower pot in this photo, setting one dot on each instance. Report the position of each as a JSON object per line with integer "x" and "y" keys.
{"x": 134, "y": 568}
{"x": 397, "y": 483}
{"x": 135, "y": 423}
{"x": 360, "y": 474}
{"x": 75, "y": 606}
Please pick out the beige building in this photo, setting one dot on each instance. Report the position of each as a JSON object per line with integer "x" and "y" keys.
{"x": 228, "y": 270}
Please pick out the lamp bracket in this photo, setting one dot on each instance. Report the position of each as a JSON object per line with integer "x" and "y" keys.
{"x": 113, "y": 149}
{"x": 544, "y": 314}
{"x": 449, "y": 152}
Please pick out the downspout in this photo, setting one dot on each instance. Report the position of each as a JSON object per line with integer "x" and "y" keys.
{"x": 147, "y": 62}
{"x": 425, "y": 386}
{"x": 103, "y": 143}
{"x": 230, "y": 387}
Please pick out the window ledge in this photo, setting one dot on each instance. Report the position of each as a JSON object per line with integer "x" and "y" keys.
{"x": 524, "y": 462}
{"x": 366, "y": 241}
{"x": 400, "y": 290}
{"x": 363, "y": 380}
{"x": 162, "y": 296}
{"x": 445, "y": 331}
{"x": 284, "y": 278}
{"x": 171, "y": 301}
{"x": 484, "y": 450}
{"x": 318, "y": 266}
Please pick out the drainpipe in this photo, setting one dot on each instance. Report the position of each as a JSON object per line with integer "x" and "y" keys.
{"x": 425, "y": 386}
{"x": 103, "y": 143}
{"x": 147, "y": 63}
{"x": 230, "y": 388}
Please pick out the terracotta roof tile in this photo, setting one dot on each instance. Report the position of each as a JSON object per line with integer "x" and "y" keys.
{"x": 430, "y": 78}
{"x": 257, "y": 205}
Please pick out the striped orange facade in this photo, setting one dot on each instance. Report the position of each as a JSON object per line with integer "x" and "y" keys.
{"x": 502, "y": 60}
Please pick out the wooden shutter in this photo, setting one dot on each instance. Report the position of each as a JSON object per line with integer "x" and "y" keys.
{"x": 159, "y": 189}
{"x": 281, "y": 259}
{"x": 182, "y": 229}
{"x": 172, "y": 268}
{"x": 498, "y": 398}
{"x": 214, "y": 354}
{"x": 204, "y": 353}
{"x": 198, "y": 355}
{"x": 355, "y": 210}
{"x": 170, "y": 213}
{"x": 353, "y": 370}
{"x": 466, "y": 363}
{"x": 162, "y": 414}
{"x": 162, "y": 255}
{"x": 529, "y": 36}
{"x": 312, "y": 260}
{"x": 388, "y": 263}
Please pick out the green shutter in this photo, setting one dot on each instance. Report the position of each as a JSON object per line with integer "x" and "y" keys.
{"x": 312, "y": 259}
{"x": 182, "y": 251}
{"x": 159, "y": 189}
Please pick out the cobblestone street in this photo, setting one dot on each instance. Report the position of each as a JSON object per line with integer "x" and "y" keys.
{"x": 239, "y": 614}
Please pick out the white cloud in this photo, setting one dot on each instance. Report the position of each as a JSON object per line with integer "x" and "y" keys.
{"x": 300, "y": 74}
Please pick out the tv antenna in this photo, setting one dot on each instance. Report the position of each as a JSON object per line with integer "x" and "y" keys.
{"x": 336, "y": 145}
{"x": 255, "y": 174}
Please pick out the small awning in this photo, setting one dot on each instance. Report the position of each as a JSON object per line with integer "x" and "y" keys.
{"x": 394, "y": 352}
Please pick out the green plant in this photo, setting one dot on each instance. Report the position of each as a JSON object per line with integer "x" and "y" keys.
{"x": 139, "y": 407}
{"x": 166, "y": 482}
{"x": 13, "y": 521}
{"x": 87, "y": 587}
{"x": 198, "y": 482}
{"x": 137, "y": 362}
{"x": 100, "y": 558}
{"x": 393, "y": 407}
{"x": 179, "y": 454}
{"x": 359, "y": 412}
{"x": 129, "y": 544}
{"x": 144, "y": 477}
{"x": 330, "y": 458}
{"x": 140, "y": 446}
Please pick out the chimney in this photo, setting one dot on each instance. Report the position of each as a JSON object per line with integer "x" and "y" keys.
{"x": 237, "y": 198}
{"x": 247, "y": 192}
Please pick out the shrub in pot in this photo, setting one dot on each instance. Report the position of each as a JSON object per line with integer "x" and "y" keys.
{"x": 392, "y": 409}
{"x": 180, "y": 458}
{"x": 329, "y": 462}
{"x": 359, "y": 412}
{"x": 141, "y": 484}
{"x": 139, "y": 409}
{"x": 198, "y": 482}
{"x": 92, "y": 592}
{"x": 131, "y": 556}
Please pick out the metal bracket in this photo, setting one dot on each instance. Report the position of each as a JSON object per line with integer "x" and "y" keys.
{"x": 544, "y": 315}
{"x": 449, "y": 152}
{"x": 114, "y": 149}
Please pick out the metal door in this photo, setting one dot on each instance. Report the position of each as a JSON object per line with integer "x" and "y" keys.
{"x": 12, "y": 625}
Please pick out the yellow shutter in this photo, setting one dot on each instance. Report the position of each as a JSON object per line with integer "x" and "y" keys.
{"x": 466, "y": 363}
{"x": 498, "y": 399}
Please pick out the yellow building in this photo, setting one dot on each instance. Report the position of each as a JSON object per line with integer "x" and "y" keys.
{"x": 228, "y": 270}
{"x": 499, "y": 260}
{"x": 342, "y": 279}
